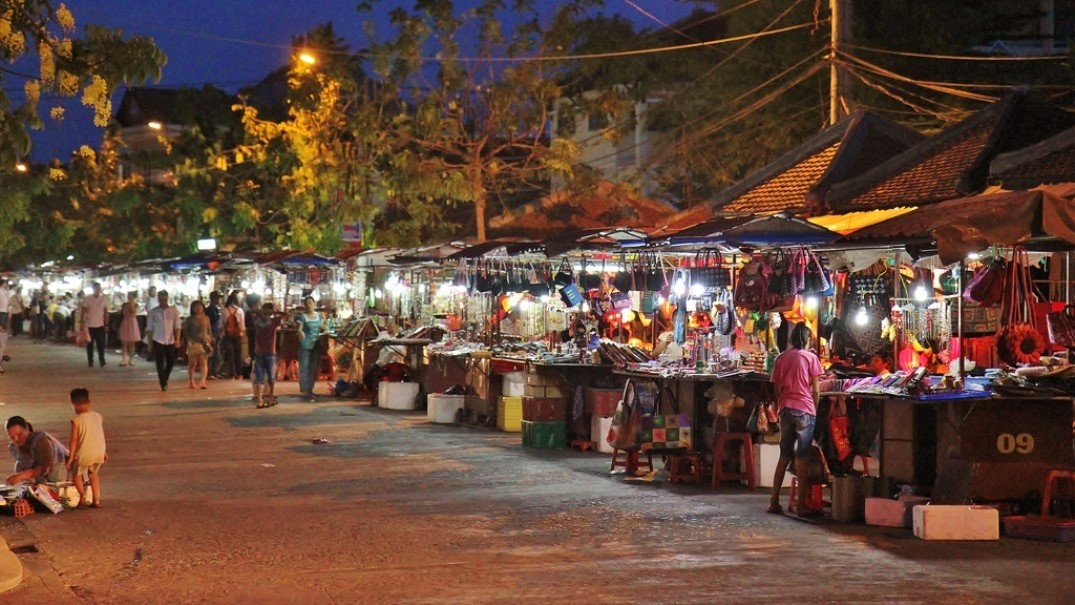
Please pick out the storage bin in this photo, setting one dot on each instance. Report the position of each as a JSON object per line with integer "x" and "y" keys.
{"x": 601, "y": 402}
{"x": 397, "y": 395}
{"x": 599, "y": 426}
{"x": 956, "y": 522}
{"x": 544, "y": 409}
{"x": 1050, "y": 529}
{"x": 544, "y": 434}
{"x": 766, "y": 456}
{"x": 886, "y": 512}
{"x": 847, "y": 501}
{"x": 509, "y": 414}
{"x": 441, "y": 409}
{"x": 514, "y": 384}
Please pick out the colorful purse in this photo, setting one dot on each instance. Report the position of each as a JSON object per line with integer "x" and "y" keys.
{"x": 665, "y": 431}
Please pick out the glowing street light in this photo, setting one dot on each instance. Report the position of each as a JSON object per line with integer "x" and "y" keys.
{"x": 307, "y": 58}
{"x": 155, "y": 125}
{"x": 21, "y": 167}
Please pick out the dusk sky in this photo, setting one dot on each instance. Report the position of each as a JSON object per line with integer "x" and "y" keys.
{"x": 232, "y": 43}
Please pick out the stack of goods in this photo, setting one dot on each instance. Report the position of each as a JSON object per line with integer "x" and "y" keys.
{"x": 600, "y": 405}
{"x": 544, "y": 412}
{"x": 509, "y": 414}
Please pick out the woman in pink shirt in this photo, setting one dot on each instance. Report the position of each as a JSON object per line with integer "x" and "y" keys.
{"x": 795, "y": 380}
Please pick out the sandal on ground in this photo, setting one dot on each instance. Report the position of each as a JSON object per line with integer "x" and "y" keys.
{"x": 775, "y": 509}
{"x": 262, "y": 404}
{"x": 274, "y": 401}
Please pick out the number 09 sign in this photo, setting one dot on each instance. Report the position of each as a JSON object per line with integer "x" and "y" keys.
{"x": 1015, "y": 431}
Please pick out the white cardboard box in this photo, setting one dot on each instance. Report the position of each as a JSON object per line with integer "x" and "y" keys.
{"x": 513, "y": 389}
{"x": 441, "y": 409}
{"x": 599, "y": 426}
{"x": 765, "y": 458}
{"x": 397, "y": 395}
{"x": 956, "y": 522}
{"x": 886, "y": 512}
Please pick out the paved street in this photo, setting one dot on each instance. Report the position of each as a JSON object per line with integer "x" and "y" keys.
{"x": 207, "y": 500}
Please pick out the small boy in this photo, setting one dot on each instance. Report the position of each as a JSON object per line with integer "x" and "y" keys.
{"x": 87, "y": 447}
{"x": 266, "y": 324}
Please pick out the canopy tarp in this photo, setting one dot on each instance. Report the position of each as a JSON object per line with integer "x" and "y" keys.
{"x": 775, "y": 229}
{"x": 972, "y": 224}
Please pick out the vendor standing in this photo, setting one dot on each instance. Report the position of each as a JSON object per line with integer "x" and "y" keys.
{"x": 795, "y": 379}
{"x": 38, "y": 456}
{"x": 389, "y": 354}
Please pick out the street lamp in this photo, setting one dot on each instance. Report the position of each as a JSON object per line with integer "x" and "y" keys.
{"x": 307, "y": 58}
{"x": 155, "y": 125}
{"x": 21, "y": 166}
{"x": 206, "y": 243}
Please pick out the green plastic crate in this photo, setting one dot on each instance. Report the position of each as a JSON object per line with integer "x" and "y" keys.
{"x": 544, "y": 434}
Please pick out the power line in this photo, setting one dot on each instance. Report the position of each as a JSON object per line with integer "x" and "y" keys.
{"x": 954, "y": 57}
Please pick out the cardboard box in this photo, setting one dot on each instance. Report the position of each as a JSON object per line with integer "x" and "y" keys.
{"x": 441, "y": 409}
{"x": 397, "y": 395}
{"x": 513, "y": 389}
{"x": 599, "y": 426}
{"x": 956, "y": 522}
{"x": 542, "y": 391}
{"x": 886, "y": 512}
{"x": 765, "y": 457}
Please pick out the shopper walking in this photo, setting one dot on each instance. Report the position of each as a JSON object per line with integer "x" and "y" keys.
{"x": 199, "y": 337}
{"x": 16, "y": 311}
{"x": 795, "y": 379}
{"x": 163, "y": 330}
{"x": 308, "y": 325}
{"x": 39, "y": 306}
{"x": 129, "y": 332}
{"x": 94, "y": 317}
{"x": 215, "y": 313}
{"x": 234, "y": 332}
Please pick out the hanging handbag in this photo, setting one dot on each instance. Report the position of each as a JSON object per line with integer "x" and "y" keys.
{"x": 620, "y": 300}
{"x": 666, "y": 429}
{"x": 590, "y": 279}
{"x": 563, "y": 275}
{"x": 623, "y": 432}
{"x": 752, "y": 289}
{"x": 1061, "y": 325}
{"x": 1019, "y": 342}
{"x": 722, "y": 313}
{"x": 623, "y": 280}
{"x": 816, "y": 279}
{"x": 656, "y": 274}
{"x": 838, "y": 431}
{"x": 571, "y": 295}
{"x": 987, "y": 286}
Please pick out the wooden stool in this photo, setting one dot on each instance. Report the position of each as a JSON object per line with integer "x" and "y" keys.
{"x": 628, "y": 461}
{"x": 695, "y": 467}
{"x": 1051, "y": 478}
{"x": 746, "y": 448}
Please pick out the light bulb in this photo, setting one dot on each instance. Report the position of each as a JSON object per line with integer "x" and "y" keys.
{"x": 697, "y": 290}
{"x": 920, "y": 293}
{"x": 680, "y": 288}
{"x": 811, "y": 302}
{"x": 861, "y": 318}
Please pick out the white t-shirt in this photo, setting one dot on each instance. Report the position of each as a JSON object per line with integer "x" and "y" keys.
{"x": 5, "y": 299}
{"x": 93, "y": 310}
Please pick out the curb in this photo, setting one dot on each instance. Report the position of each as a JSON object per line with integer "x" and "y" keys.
{"x": 10, "y": 568}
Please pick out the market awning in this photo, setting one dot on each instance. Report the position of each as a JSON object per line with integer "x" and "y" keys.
{"x": 507, "y": 247}
{"x": 775, "y": 229}
{"x": 973, "y": 224}
{"x": 853, "y": 221}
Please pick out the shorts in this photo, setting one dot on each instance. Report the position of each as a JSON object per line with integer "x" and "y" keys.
{"x": 796, "y": 433}
{"x": 264, "y": 368}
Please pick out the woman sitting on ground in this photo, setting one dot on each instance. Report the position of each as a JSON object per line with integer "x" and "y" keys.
{"x": 38, "y": 456}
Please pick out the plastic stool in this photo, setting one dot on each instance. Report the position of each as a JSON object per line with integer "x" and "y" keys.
{"x": 814, "y": 501}
{"x": 1051, "y": 478}
{"x": 746, "y": 447}
{"x": 628, "y": 460}
{"x": 694, "y": 464}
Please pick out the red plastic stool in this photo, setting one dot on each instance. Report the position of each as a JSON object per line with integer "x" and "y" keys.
{"x": 1054, "y": 475}
{"x": 694, "y": 467}
{"x": 628, "y": 461}
{"x": 746, "y": 447}
{"x": 814, "y": 501}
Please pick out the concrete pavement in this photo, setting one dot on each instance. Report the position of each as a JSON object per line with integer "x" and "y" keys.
{"x": 208, "y": 500}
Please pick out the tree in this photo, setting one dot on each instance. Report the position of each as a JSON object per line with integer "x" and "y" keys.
{"x": 470, "y": 124}
{"x": 37, "y": 35}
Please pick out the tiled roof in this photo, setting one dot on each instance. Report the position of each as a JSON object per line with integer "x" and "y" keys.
{"x": 790, "y": 183}
{"x": 1047, "y": 162}
{"x": 955, "y": 162}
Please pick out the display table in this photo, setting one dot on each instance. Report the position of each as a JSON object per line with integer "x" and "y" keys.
{"x": 973, "y": 448}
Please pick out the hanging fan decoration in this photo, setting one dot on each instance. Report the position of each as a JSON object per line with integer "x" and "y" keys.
{"x": 1020, "y": 343}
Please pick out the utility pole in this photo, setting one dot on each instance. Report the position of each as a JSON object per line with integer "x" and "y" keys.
{"x": 840, "y": 21}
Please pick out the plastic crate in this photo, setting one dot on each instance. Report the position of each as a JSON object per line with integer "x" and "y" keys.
{"x": 548, "y": 435}
{"x": 1050, "y": 529}
{"x": 509, "y": 414}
